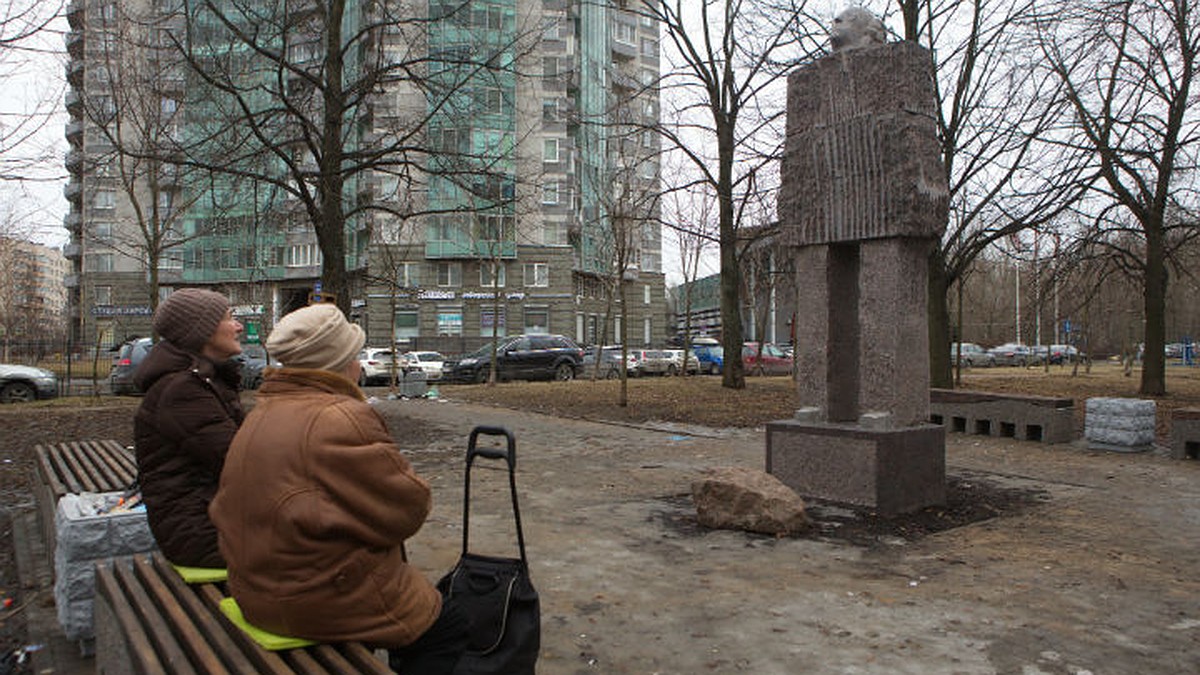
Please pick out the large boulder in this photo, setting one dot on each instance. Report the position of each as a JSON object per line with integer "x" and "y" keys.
{"x": 747, "y": 499}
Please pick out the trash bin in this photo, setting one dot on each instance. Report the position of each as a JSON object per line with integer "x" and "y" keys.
{"x": 86, "y": 530}
{"x": 414, "y": 384}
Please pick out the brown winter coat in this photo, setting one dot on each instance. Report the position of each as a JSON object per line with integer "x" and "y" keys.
{"x": 182, "y": 431}
{"x": 314, "y": 504}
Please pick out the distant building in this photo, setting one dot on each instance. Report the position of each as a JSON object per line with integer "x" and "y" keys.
{"x": 529, "y": 249}
{"x": 32, "y": 295}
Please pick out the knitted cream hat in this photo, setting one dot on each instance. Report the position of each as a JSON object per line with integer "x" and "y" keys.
{"x": 317, "y": 336}
{"x": 189, "y": 317}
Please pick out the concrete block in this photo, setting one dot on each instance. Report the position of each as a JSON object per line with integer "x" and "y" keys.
{"x": 893, "y": 471}
{"x": 1120, "y": 424}
{"x": 1185, "y": 433}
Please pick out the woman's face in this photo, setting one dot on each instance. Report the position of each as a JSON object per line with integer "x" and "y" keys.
{"x": 224, "y": 343}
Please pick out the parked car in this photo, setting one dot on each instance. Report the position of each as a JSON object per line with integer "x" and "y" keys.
{"x": 1014, "y": 354}
{"x": 676, "y": 366}
{"x": 650, "y": 361}
{"x": 521, "y": 357}
{"x": 21, "y": 384}
{"x": 1063, "y": 354}
{"x": 973, "y": 356}
{"x": 125, "y": 362}
{"x": 771, "y": 359}
{"x": 710, "y": 355}
{"x": 430, "y": 362}
{"x": 610, "y": 363}
{"x": 254, "y": 361}
{"x": 378, "y": 364}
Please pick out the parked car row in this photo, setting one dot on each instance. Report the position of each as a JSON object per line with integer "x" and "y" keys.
{"x": 131, "y": 353}
{"x": 520, "y": 357}
{"x": 1012, "y": 354}
{"x": 20, "y": 384}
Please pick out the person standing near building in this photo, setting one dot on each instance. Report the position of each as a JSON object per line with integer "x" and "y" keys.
{"x": 184, "y": 425}
{"x": 316, "y": 502}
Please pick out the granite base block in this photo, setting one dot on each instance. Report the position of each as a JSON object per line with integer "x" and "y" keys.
{"x": 891, "y": 470}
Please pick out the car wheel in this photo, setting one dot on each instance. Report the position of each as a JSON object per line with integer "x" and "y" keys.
{"x": 256, "y": 382}
{"x": 480, "y": 376}
{"x": 564, "y": 372}
{"x": 362, "y": 379}
{"x": 612, "y": 374}
{"x": 712, "y": 369}
{"x": 17, "y": 392}
{"x": 672, "y": 370}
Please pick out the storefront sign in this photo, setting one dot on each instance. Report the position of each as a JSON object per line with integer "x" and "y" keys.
{"x": 121, "y": 310}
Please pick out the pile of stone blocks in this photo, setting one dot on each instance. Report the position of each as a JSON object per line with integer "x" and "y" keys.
{"x": 1120, "y": 424}
{"x": 85, "y": 532}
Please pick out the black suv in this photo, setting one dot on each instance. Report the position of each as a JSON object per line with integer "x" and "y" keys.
{"x": 521, "y": 357}
{"x": 128, "y": 357}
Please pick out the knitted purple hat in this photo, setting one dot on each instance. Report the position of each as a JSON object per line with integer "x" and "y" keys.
{"x": 189, "y": 317}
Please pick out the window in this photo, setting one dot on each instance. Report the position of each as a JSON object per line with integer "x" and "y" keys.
{"x": 537, "y": 275}
{"x": 102, "y": 295}
{"x": 168, "y": 106}
{"x": 550, "y": 30}
{"x": 450, "y": 274}
{"x": 646, "y": 294}
{"x": 489, "y": 99}
{"x": 537, "y": 321}
{"x": 550, "y": 150}
{"x": 550, "y": 110}
{"x": 549, "y": 67}
{"x": 646, "y": 332}
{"x": 624, "y": 33}
{"x": 408, "y": 275}
{"x": 302, "y": 255}
{"x": 550, "y": 193}
{"x": 170, "y": 260}
{"x": 649, "y": 47}
{"x": 492, "y": 319}
{"x": 449, "y": 321}
{"x": 104, "y": 199}
{"x": 102, "y": 262}
{"x": 407, "y": 324}
{"x": 491, "y": 274}
{"x": 102, "y": 232}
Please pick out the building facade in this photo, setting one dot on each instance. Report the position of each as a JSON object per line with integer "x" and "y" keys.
{"x": 531, "y": 197}
{"x": 32, "y": 296}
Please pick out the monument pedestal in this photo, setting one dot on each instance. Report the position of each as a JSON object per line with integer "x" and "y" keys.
{"x": 891, "y": 470}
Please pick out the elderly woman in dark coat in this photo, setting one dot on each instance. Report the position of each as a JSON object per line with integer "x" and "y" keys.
{"x": 184, "y": 425}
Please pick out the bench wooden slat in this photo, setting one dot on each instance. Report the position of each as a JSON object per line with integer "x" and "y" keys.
{"x": 104, "y": 466}
{"x": 363, "y": 659}
{"x": 206, "y": 623}
{"x": 75, "y": 471}
{"x": 95, "y": 475}
{"x": 121, "y": 460}
{"x": 182, "y": 622}
{"x": 264, "y": 661}
{"x": 46, "y": 469}
{"x": 302, "y": 661}
{"x": 159, "y": 629}
{"x": 131, "y": 628}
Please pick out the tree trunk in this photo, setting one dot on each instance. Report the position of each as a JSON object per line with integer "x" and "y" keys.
{"x": 1154, "y": 381}
{"x": 733, "y": 375}
{"x": 940, "y": 372}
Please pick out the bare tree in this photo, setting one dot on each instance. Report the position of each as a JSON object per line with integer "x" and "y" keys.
{"x": 728, "y": 56}
{"x": 316, "y": 99}
{"x": 693, "y": 224}
{"x": 994, "y": 116}
{"x": 23, "y": 155}
{"x": 1127, "y": 70}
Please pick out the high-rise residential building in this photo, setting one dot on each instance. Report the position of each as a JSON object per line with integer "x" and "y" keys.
{"x": 533, "y": 189}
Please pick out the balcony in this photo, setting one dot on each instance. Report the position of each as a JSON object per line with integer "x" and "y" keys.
{"x": 73, "y": 191}
{"x": 74, "y": 161}
{"x": 71, "y": 281}
{"x": 74, "y": 103}
{"x": 72, "y": 221}
{"x": 75, "y": 73}
{"x": 72, "y": 251}
{"x": 76, "y": 13}
{"x": 74, "y": 132}
{"x": 74, "y": 40}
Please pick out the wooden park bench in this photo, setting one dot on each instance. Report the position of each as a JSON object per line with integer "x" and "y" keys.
{"x": 149, "y": 621}
{"x": 73, "y": 468}
{"x": 1027, "y": 418}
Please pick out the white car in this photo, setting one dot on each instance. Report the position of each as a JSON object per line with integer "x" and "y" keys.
{"x": 430, "y": 362}
{"x": 676, "y": 366}
{"x": 378, "y": 363}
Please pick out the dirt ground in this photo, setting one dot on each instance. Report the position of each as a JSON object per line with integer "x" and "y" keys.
{"x": 1045, "y": 559}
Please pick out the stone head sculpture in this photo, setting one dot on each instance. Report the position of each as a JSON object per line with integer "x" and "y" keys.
{"x": 856, "y": 27}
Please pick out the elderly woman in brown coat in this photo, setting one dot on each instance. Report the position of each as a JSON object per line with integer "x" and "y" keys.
{"x": 183, "y": 426}
{"x": 316, "y": 501}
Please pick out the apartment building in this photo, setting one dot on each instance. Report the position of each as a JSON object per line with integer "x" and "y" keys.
{"x": 32, "y": 295}
{"x": 531, "y": 194}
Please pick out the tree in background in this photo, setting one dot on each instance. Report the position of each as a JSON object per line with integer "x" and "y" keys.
{"x": 727, "y": 58}
{"x": 1127, "y": 70}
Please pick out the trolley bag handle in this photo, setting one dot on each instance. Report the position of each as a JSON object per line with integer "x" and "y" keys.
{"x": 508, "y": 454}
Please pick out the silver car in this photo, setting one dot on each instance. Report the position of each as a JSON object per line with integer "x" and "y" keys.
{"x": 19, "y": 384}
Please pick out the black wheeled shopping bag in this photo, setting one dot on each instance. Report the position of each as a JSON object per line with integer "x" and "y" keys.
{"x": 495, "y": 593}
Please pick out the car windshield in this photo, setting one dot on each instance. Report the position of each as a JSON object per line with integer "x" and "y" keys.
{"x": 483, "y": 351}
